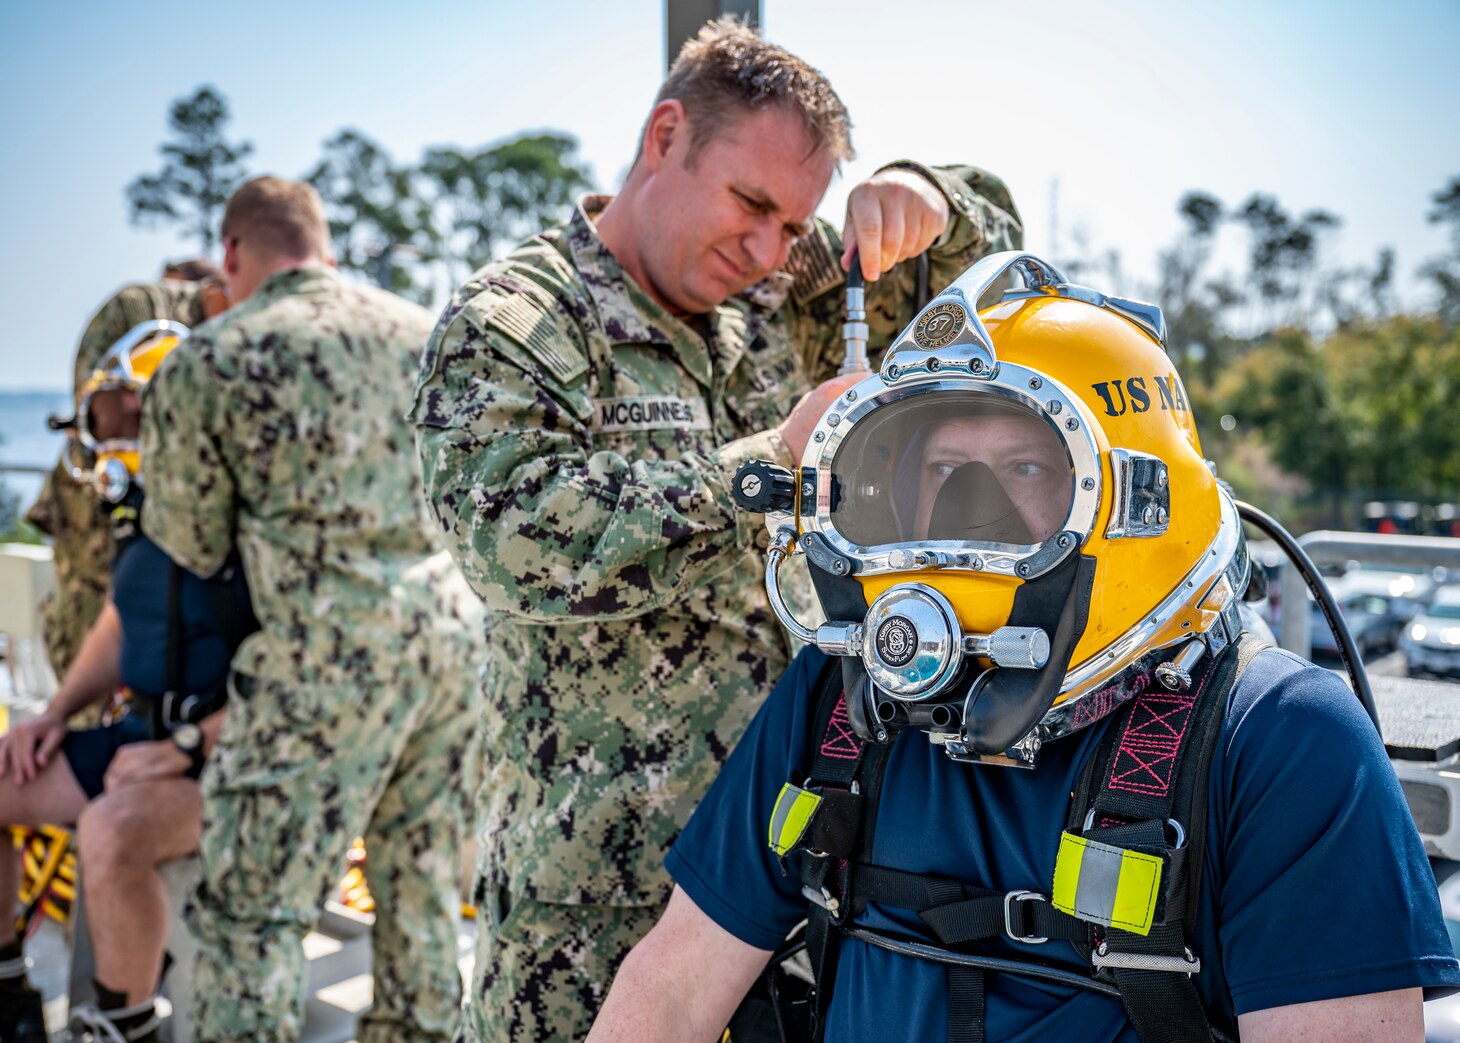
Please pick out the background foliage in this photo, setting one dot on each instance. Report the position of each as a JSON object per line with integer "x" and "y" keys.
{"x": 1314, "y": 392}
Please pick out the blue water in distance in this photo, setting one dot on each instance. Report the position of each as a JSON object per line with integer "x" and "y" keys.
{"x": 25, "y": 439}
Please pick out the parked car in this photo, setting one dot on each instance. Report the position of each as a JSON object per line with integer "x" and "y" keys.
{"x": 1370, "y": 618}
{"x": 1392, "y": 598}
{"x": 1432, "y": 641}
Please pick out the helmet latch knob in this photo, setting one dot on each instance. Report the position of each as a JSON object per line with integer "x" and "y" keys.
{"x": 1176, "y": 674}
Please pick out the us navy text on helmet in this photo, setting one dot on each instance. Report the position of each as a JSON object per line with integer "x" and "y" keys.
{"x": 1173, "y": 395}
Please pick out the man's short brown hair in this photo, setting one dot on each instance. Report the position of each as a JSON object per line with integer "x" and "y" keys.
{"x": 278, "y": 218}
{"x": 728, "y": 70}
{"x": 197, "y": 269}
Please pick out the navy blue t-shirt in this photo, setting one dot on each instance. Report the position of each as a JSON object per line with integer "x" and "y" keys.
{"x": 1314, "y": 885}
{"x": 141, "y": 575}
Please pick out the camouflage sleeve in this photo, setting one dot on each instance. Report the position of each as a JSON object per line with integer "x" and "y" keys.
{"x": 45, "y": 513}
{"x": 189, "y": 510}
{"x": 123, "y": 310}
{"x": 982, "y": 220}
{"x": 546, "y": 526}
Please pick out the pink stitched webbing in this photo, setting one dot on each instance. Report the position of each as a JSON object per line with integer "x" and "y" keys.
{"x": 1146, "y": 755}
{"x": 840, "y": 742}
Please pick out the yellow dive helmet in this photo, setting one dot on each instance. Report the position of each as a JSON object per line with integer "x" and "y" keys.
{"x": 1011, "y": 524}
{"x": 123, "y": 370}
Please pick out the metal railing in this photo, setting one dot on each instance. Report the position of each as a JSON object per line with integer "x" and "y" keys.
{"x": 1326, "y": 547}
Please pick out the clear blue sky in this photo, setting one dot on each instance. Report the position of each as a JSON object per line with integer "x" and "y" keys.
{"x": 1351, "y": 106}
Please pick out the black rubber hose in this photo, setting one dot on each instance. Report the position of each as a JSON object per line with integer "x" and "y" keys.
{"x": 1347, "y": 650}
{"x": 980, "y": 962}
{"x": 855, "y": 281}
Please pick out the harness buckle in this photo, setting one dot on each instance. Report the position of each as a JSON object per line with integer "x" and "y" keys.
{"x": 178, "y": 709}
{"x": 823, "y": 898}
{"x": 1177, "y": 832}
{"x": 1010, "y": 900}
{"x": 1188, "y": 963}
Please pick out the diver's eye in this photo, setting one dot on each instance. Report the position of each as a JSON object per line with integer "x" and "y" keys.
{"x": 942, "y": 469}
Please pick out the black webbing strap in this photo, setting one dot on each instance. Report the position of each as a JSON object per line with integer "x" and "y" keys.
{"x": 835, "y": 764}
{"x": 1148, "y": 776}
{"x": 965, "y": 1005}
{"x": 958, "y": 913}
{"x": 840, "y": 883}
{"x": 231, "y": 604}
{"x": 176, "y": 672}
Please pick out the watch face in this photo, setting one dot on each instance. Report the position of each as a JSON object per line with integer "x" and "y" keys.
{"x": 187, "y": 736}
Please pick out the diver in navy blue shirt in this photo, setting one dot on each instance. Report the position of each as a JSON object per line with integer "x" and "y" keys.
{"x": 165, "y": 638}
{"x": 1032, "y": 781}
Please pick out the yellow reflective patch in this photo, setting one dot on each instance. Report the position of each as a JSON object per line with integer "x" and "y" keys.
{"x": 790, "y": 817}
{"x": 1106, "y": 884}
{"x": 1136, "y": 893}
{"x": 1067, "y": 873}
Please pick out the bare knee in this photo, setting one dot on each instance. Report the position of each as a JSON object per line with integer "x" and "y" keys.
{"x": 109, "y": 835}
{"x": 141, "y": 825}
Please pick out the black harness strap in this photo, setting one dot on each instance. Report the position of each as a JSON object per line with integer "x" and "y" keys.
{"x": 965, "y": 1005}
{"x": 230, "y": 603}
{"x": 839, "y": 882}
{"x": 846, "y": 771}
{"x": 1145, "y": 790}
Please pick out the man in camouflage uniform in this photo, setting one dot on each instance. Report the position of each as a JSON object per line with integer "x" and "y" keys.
{"x": 66, "y": 509}
{"x": 582, "y": 408}
{"x": 279, "y": 431}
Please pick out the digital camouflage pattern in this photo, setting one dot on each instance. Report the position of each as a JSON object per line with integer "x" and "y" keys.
{"x": 548, "y": 966}
{"x": 299, "y": 772}
{"x": 67, "y": 509}
{"x": 280, "y": 431}
{"x": 577, "y": 443}
{"x": 81, "y": 556}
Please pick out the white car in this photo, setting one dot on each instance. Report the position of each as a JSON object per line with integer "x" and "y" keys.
{"x": 1431, "y": 641}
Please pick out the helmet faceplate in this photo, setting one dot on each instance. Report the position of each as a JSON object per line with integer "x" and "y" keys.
{"x": 991, "y": 453}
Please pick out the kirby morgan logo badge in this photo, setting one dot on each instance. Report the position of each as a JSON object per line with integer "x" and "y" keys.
{"x": 939, "y": 325}
{"x": 896, "y": 641}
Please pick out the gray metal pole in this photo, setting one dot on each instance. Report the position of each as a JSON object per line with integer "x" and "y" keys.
{"x": 683, "y": 18}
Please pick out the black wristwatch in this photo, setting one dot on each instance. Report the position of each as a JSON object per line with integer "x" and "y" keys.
{"x": 189, "y": 739}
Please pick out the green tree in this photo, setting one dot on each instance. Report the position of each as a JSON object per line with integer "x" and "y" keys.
{"x": 485, "y": 198}
{"x": 1444, "y": 271}
{"x": 200, "y": 169}
{"x": 1284, "y": 391}
{"x": 1395, "y": 386}
{"x": 1367, "y": 413}
{"x": 1195, "y": 305}
{"x": 373, "y": 212}
{"x": 1283, "y": 255}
